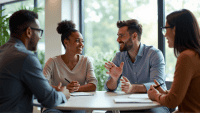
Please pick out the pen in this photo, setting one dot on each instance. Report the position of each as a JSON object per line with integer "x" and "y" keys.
{"x": 159, "y": 85}
{"x": 67, "y": 80}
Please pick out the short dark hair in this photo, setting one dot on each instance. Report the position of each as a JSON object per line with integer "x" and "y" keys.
{"x": 133, "y": 26}
{"x": 20, "y": 20}
{"x": 187, "y": 34}
{"x": 65, "y": 28}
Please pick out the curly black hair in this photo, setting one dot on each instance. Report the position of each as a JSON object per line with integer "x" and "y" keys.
{"x": 65, "y": 28}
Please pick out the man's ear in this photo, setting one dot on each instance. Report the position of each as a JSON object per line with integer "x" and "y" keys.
{"x": 134, "y": 36}
{"x": 28, "y": 32}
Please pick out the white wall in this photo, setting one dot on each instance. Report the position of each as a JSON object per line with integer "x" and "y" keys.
{"x": 55, "y": 12}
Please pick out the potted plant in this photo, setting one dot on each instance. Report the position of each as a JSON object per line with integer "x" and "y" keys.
{"x": 4, "y": 23}
{"x": 4, "y": 31}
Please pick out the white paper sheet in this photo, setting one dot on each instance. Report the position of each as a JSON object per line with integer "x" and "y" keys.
{"x": 81, "y": 94}
{"x": 139, "y": 96}
{"x": 128, "y": 100}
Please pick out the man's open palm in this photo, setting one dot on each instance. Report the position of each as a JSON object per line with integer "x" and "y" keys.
{"x": 113, "y": 70}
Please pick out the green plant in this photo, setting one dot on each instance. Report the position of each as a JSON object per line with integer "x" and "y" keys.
{"x": 99, "y": 59}
{"x": 4, "y": 31}
{"x": 4, "y": 23}
{"x": 41, "y": 57}
{"x": 35, "y": 9}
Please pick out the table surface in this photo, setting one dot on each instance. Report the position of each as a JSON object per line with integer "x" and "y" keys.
{"x": 101, "y": 100}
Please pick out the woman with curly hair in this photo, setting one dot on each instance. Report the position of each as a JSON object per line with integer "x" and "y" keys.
{"x": 73, "y": 70}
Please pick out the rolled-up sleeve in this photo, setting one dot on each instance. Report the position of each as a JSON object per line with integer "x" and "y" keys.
{"x": 157, "y": 69}
{"x": 116, "y": 62}
{"x": 33, "y": 77}
{"x": 90, "y": 77}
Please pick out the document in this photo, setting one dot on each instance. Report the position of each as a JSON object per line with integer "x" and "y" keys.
{"x": 81, "y": 94}
{"x": 139, "y": 96}
{"x": 128, "y": 100}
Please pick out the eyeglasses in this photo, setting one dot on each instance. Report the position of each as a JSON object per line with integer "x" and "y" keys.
{"x": 164, "y": 29}
{"x": 41, "y": 31}
{"x": 121, "y": 36}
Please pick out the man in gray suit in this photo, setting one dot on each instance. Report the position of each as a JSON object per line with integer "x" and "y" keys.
{"x": 20, "y": 70}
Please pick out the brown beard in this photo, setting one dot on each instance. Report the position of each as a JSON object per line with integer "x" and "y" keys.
{"x": 126, "y": 46}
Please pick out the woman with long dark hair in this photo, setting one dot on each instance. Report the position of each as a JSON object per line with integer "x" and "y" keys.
{"x": 182, "y": 33}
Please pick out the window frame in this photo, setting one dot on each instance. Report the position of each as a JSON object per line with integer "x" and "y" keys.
{"x": 161, "y": 22}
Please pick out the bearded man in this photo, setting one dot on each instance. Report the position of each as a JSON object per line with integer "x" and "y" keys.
{"x": 137, "y": 65}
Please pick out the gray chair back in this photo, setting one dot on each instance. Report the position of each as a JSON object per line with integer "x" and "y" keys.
{"x": 168, "y": 84}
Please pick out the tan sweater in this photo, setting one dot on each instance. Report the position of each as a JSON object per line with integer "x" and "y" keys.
{"x": 55, "y": 70}
{"x": 185, "y": 89}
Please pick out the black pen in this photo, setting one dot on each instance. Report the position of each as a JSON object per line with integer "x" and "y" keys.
{"x": 159, "y": 85}
{"x": 67, "y": 80}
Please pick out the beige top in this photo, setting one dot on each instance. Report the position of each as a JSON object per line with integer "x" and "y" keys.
{"x": 55, "y": 70}
{"x": 185, "y": 90}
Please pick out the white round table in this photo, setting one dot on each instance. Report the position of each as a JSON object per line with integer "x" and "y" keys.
{"x": 101, "y": 100}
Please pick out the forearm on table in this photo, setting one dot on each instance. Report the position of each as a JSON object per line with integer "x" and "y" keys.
{"x": 138, "y": 88}
{"x": 87, "y": 87}
{"x": 111, "y": 84}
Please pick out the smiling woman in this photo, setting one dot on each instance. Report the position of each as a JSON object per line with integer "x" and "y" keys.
{"x": 183, "y": 36}
{"x": 71, "y": 66}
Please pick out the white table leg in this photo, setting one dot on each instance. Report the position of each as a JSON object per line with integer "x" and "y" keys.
{"x": 89, "y": 111}
{"x": 115, "y": 111}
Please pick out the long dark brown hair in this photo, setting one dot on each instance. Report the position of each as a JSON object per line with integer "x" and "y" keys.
{"x": 187, "y": 35}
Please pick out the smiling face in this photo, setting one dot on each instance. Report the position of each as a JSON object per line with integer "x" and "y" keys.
{"x": 75, "y": 43}
{"x": 124, "y": 39}
{"x": 170, "y": 35}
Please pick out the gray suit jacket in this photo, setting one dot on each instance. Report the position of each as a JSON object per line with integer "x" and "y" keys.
{"x": 21, "y": 77}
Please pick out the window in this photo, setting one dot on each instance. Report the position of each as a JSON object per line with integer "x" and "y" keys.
{"x": 145, "y": 11}
{"x": 41, "y": 17}
{"x": 100, "y": 26}
{"x": 100, "y": 17}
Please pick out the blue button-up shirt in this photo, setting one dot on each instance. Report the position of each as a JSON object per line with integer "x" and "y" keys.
{"x": 149, "y": 65}
{"x": 20, "y": 77}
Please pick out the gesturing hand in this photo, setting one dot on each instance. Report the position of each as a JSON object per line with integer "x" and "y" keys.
{"x": 126, "y": 85}
{"x": 73, "y": 86}
{"x": 113, "y": 70}
{"x": 62, "y": 89}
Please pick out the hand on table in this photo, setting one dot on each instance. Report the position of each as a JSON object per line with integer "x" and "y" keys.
{"x": 62, "y": 89}
{"x": 113, "y": 70}
{"x": 126, "y": 85}
{"x": 73, "y": 86}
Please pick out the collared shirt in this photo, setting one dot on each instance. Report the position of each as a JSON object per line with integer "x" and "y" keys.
{"x": 149, "y": 65}
{"x": 20, "y": 77}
